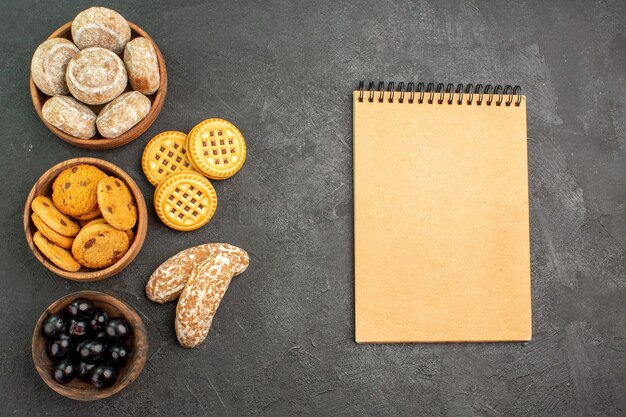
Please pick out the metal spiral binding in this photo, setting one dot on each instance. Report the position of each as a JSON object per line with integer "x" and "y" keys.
{"x": 429, "y": 92}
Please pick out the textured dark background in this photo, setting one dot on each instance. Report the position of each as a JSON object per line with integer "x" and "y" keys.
{"x": 282, "y": 341}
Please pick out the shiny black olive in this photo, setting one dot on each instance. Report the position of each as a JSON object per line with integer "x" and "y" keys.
{"x": 60, "y": 347}
{"x": 80, "y": 307}
{"x": 98, "y": 320}
{"x": 53, "y": 325}
{"x": 117, "y": 329}
{"x": 90, "y": 351}
{"x": 64, "y": 371}
{"x": 103, "y": 376}
{"x": 118, "y": 354}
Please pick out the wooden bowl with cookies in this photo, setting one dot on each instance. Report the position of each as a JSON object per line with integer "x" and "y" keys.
{"x": 85, "y": 219}
{"x": 95, "y": 94}
{"x": 105, "y": 359}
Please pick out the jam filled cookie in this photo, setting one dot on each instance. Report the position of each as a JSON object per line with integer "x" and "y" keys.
{"x": 47, "y": 232}
{"x": 99, "y": 246}
{"x": 216, "y": 148}
{"x": 117, "y": 203}
{"x": 74, "y": 190}
{"x": 52, "y": 217}
{"x": 185, "y": 201}
{"x": 165, "y": 154}
{"x": 57, "y": 255}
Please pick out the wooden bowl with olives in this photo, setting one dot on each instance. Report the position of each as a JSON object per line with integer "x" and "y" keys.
{"x": 89, "y": 345}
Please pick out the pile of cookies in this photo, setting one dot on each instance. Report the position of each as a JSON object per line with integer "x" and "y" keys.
{"x": 91, "y": 70}
{"x": 179, "y": 165}
{"x": 88, "y": 221}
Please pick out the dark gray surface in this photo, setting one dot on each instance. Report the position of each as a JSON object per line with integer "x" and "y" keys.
{"x": 282, "y": 341}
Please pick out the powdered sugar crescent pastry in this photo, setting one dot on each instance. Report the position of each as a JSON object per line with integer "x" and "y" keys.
{"x": 169, "y": 279}
{"x": 201, "y": 298}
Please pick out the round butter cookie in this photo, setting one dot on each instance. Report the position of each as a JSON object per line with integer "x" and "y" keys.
{"x": 47, "y": 232}
{"x": 185, "y": 201}
{"x": 120, "y": 115}
{"x": 99, "y": 246}
{"x": 74, "y": 190}
{"x": 56, "y": 254}
{"x": 53, "y": 218}
{"x": 117, "y": 203}
{"x": 99, "y": 26}
{"x": 49, "y": 64}
{"x": 216, "y": 149}
{"x": 71, "y": 116}
{"x": 96, "y": 76}
{"x": 142, "y": 66}
{"x": 165, "y": 154}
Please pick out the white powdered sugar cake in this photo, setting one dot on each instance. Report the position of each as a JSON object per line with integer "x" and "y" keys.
{"x": 142, "y": 66}
{"x": 101, "y": 27}
{"x": 69, "y": 115}
{"x": 49, "y": 64}
{"x": 120, "y": 115}
{"x": 96, "y": 76}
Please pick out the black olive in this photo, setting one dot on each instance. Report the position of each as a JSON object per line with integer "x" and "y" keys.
{"x": 64, "y": 371}
{"x": 117, "y": 329}
{"x": 60, "y": 347}
{"x": 53, "y": 325}
{"x": 103, "y": 376}
{"x": 80, "y": 307}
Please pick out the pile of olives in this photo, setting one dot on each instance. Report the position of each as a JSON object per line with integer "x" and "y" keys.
{"x": 84, "y": 342}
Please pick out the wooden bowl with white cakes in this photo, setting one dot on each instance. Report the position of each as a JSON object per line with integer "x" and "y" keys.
{"x": 99, "y": 81}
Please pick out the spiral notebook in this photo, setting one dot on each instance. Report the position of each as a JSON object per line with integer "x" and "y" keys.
{"x": 441, "y": 221}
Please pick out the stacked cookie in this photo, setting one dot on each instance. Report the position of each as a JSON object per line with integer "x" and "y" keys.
{"x": 90, "y": 72}
{"x": 88, "y": 222}
{"x": 179, "y": 165}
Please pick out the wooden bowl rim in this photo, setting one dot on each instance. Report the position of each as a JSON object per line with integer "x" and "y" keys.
{"x": 137, "y": 361}
{"x": 135, "y": 131}
{"x": 142, "y": 220}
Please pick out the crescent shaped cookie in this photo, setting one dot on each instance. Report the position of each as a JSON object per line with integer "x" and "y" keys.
{"x": 167, "y": 282}
{"x": 216, "y": 148}
{"x": 201, "y": 298}
{"x": 185, "y": 201}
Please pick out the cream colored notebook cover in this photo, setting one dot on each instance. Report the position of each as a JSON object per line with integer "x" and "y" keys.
{"x": 441, "y": 222}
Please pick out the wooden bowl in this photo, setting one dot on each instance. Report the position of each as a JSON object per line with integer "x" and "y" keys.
{"x": 98, "y": 142}
{"x": 78, "y": 389}
{"x": 43, "y": 186}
